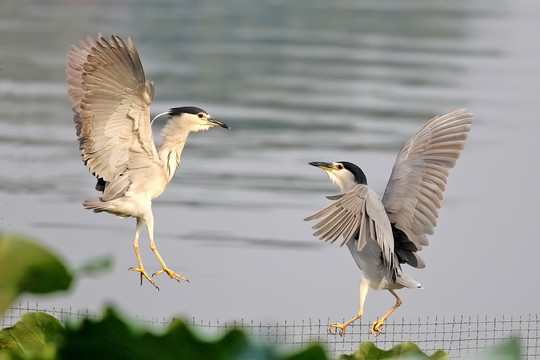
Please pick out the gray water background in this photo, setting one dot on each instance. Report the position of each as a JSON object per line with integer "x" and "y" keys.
{"x": 297, "y": 81}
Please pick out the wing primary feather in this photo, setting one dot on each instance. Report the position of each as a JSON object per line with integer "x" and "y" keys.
{"x": 327, "y": 217}
{"x": 322, "y": 213}
{"x": 338, "y": 229}
{"x": 111, "y": 101}
{"x": 334, "y": 226}
{"x": 416, "y": 186}
{"x": 353, "y": 229}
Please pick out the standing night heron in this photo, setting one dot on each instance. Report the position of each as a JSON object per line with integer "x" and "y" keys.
{"x": 111, "y": 101}
{"x": 382, "y": 234}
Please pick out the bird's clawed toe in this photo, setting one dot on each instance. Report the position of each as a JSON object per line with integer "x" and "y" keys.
{"x": 145, "y": 274}
{"x": 376, "y": 327}
{"x": 340, "y": 326}
{"x": 171, "y": 274}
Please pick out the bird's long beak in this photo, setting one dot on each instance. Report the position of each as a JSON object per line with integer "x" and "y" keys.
{"x": 323, "y": 165}
{"x": 216, "y": 122}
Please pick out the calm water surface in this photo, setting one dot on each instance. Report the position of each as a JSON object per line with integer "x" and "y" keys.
{"x": 297, "y": 81}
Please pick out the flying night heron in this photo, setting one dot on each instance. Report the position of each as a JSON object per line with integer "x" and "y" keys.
{"x": 383, "y": 234}
{"x": 111, "y": 102}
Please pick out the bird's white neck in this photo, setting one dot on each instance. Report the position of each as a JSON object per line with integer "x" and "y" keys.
{"x": 174, "y": 138}
{"x": 171, "y": 157}
{"x": 345, "y": 181}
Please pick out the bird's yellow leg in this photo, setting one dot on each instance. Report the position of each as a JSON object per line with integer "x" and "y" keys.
{"x": 364, "y": 286}
{"x": 149, "y": 219}
{"x": 140, "y": 269}
{"x": 343, "y": 326}
{"x": 169, "y": 272}
{"x": 376, "y": 327}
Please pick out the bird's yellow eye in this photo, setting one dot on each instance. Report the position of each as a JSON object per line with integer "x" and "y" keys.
{"x": 340, "y": 167}
{"x": 200, "y": 115}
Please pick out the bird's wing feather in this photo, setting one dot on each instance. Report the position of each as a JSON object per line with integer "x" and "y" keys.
{"x": 415, "y": 190}
{"x": 112, "y": 109}
{"x": 358, "y": 212}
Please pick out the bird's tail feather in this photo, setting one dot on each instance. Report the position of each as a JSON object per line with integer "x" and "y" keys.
{"x": 407, "y": 281}
{"x": 99, "y": 205}
{"x": 94, "y": 204}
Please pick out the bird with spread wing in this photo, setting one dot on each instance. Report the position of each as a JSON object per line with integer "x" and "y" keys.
{"x": 382, "y": 234}
{"x": 111, "y": 101}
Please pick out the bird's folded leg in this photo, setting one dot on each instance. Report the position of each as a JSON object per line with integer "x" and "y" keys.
{"x": 376, "y": 326}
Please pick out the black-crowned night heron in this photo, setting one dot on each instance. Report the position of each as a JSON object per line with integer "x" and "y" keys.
{"x": 383, "y": 234}
{"x": 111, "y": 101}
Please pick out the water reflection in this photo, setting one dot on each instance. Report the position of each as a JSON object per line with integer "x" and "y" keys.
{"x": 297, "y": 81}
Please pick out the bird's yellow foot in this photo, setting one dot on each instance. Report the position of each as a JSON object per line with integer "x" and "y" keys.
{"x": 145, "y": 274}
{"x": 376, "y": 327}
{"x": 340, "y": 326}
{"x": 171, "y": 273}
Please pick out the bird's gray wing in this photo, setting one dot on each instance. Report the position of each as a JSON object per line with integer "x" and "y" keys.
{"x": 111, "y": 101}
{"x": 415, "y": 189}
{"x": 361, "y": 213}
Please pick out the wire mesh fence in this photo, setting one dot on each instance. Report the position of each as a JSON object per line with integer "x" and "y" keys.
{"x": 459, "y": 336}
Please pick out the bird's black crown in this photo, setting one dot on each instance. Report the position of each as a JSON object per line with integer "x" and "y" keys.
{"x": 359, "y": 175}
{"x": 177, "y": 111}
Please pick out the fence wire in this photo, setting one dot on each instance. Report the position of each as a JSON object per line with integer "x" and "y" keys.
{"x": 459, "y": 336}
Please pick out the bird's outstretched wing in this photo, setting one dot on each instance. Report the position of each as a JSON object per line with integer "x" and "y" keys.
{"x": 112, "y": 110}
{"x": 357, "y": 213}
{"x": 415, "y": 189}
